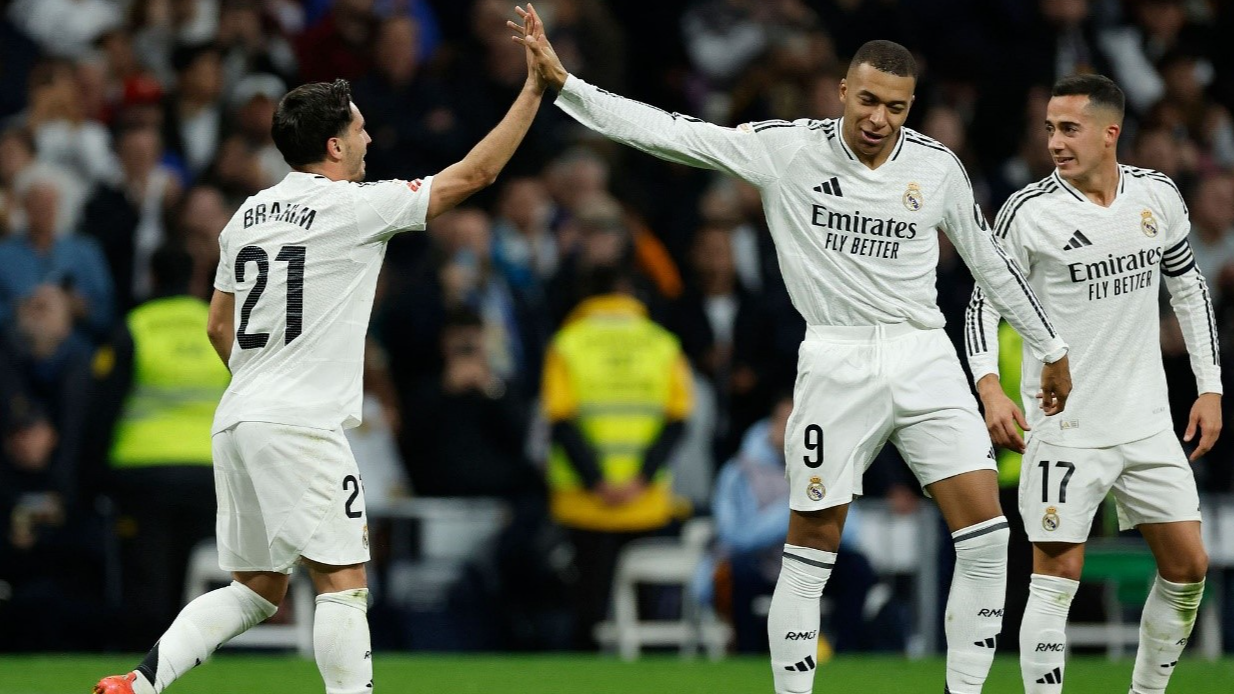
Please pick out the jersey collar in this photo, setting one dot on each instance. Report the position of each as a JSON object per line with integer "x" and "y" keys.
{"x": 852, "y": 156}
{"x": 1075, "y": 192}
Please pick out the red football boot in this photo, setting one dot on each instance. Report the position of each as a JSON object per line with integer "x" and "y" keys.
{"x": 116, "y": 684}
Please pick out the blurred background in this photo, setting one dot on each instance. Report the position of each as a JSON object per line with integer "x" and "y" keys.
{"x": 130, "y": 130}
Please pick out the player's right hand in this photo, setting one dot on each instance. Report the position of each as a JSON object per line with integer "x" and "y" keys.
{"x": 542, "y": 61}
{"x": 1002, "y": 416}
{"x": 1055, "y": 386}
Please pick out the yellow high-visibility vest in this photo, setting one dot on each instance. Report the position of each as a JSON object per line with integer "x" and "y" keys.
{"x": 177, "y": 382}
{"x": 620, "y": 377}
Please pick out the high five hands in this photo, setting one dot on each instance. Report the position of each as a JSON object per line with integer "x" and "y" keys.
{"x": 544, "y": 68}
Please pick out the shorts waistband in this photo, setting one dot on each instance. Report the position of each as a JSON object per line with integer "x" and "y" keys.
{"x": 862, "y": 333}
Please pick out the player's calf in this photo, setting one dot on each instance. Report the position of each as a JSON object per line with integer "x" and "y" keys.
{"x": 975, "y": 603}
{"x": 1165, "y": 627}
{"x": 1043, "y": 639}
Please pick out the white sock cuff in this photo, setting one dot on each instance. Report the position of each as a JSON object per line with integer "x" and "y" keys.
{"x": 987, "y": 532}
{"x": 1180, "y": 595}
{"x": 818, "y": 558}
{"x": 356, "y": 597}
{"x": 1054, "y": 584}
{"x": 263, "y": 606}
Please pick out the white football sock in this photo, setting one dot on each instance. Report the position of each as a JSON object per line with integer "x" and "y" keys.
{"x": 975, "y": 603}
{"x": 341, "y": 642}
{"x": 202, "y": 626}
{"x": 1165, "y": 626}
{"x": 792, "y": 622}
{"x": 1043, "y": 639}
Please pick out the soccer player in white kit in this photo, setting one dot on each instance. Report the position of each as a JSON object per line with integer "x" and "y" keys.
{"x": 1097, "y": 240}
{"x": 293, "y": 294}
{"x": 853, "y": 206}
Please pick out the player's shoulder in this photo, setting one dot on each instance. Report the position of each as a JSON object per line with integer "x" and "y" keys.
{"x": 789, "y": 129}
{"x": 1152, "y": 184}
{"x": 1036, "y": 194}
{"x": 923, "y": 150}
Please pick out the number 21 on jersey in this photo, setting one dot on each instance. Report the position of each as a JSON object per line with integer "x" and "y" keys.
{"x": 294, "y": 257}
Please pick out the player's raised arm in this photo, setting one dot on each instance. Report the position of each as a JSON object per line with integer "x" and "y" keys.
{"x": 480, "y": 167}
{"x": 743, "y": 151}
{"x": 1005, "y": 286}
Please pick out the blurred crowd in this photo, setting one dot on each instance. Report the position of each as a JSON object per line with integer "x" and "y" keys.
{"x": 130, "y": 130}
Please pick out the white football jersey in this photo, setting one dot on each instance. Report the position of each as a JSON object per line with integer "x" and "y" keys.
{"x": 856, "y": 246}
{"x": 302, "y": 258}
{"x": 1099, "y": 271}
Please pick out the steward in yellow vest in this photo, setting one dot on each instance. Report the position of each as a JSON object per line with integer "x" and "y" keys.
{"x": 161, "y": 474}
{"x": 616, "y": 391}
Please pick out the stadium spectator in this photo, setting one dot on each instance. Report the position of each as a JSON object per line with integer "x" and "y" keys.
{"x": 525, "y": 250}
{"x": 616, "y": 392}
{"x": 750, "y": 507}
{"x": 338, "y": 45}
{"x": 466, "y": 435}
{"x": 128, "y": 218}
{"x": 193, "y": 112}
{"x": 40, "y": 256}
{"x": 63, "y": 132}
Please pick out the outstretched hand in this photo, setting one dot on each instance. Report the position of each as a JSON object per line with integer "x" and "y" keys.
{"x": 544, "y": 68}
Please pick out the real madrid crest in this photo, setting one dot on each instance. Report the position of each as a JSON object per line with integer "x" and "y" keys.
{"x": 815, "y": 490}
{"x": 1148, "y": 224}
{"x": 913, "y": 199}
{"x": 1050, "y": 521}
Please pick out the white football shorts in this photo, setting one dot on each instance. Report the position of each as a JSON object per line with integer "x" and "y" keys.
{"x": 286, "y": 492}
{"x": 861, "y": 387}
{"x": 1061, "y": 487}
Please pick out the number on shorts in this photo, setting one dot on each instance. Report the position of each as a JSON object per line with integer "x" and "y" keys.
{"x": 1062, "y": 486}
{"x": 355, "y": 491}
{"x": 814, "y": 442}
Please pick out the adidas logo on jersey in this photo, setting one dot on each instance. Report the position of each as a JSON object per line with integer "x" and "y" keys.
{"x": 988, "y": 643}
{"x": 801, "y": 665}
{"x": 1054, "y": 676}
{"x": 831, "y": 187}
{"x": 1078, "y": 240}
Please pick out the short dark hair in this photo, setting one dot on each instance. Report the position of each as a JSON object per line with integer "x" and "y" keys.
{"x": 1100, "y": 90}
{"x": 307, "y": 117}
{"x": 886, "y": 56}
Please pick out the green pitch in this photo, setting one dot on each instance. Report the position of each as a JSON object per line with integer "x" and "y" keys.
{"x": 553, "y": 674}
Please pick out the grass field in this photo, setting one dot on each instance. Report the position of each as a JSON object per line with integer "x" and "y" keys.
{"x": 539, "y": 674}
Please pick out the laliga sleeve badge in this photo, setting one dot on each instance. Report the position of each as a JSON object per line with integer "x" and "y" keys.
{"x": 913, "y": 199}
{"x": 815, "y": 490}
{"x": 1148, "y": 224}
{"x": 364, "y": 535}
{"x": 1050, "y": 521}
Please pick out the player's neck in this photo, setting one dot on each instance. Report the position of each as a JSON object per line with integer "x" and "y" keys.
{"x": 1099, "y": 185}
{"x": 329, "y": 169}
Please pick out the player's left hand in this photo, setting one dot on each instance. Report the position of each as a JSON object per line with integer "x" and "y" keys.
{"x": 543, "y": 66}
{"x": 1206, "y": 417}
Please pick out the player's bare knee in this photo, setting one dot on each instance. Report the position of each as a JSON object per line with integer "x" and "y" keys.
{"x": 333, "y": 579}
{"x": 817, "y": 529}
{"x": 1059, "y": 559}
{"x": 1189, "y": 568}
{"x": 271, "y": 586}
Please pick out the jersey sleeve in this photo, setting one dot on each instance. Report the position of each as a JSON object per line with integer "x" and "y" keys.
{"x": 384, "y": 208}
{"x": 1190, "y": 298}
{"x": 997, "y": 275}
{"x": 224, "y": 276}
{"x": 755, "y": 152}
{"x": 981, "y": 318}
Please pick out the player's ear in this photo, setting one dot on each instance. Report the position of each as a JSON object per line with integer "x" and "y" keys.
{"x": 843, "y": 88}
